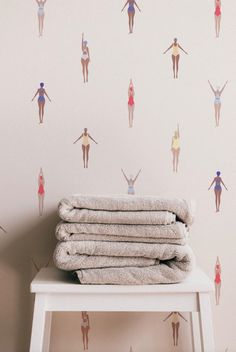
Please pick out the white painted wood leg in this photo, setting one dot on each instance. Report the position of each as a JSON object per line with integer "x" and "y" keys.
{"x": 47, "y": 332}
{"x": 37, "y": 334}
{"x": 195, "y": 333}
{"x": 206, "y": 324}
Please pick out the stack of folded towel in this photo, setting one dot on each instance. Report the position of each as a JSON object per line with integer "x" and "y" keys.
{"x": 124, "y": 239}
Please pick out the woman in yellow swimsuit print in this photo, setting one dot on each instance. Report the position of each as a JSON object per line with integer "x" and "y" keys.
{"x": 217, "y": 101}
{"x": 85, "y": 145}
{"x": 175, "y": 148}
{"x": 175, "y": 46}
{"x": 175, "y": 325}
{"x": 85, "y": 326}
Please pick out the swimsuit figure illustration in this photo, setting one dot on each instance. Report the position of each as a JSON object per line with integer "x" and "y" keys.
{"x": 217, "y": 14}
{"x": 175, "y": 325}
{"x": 41, "y": 15}
{"x": 217, "y": 280}
{"x": 37, "y": 267}
{"x": 131, "y": 13}
{"x": 2, "y": 229}
{"x": 85, "y": 58}
{"x": 41, "y": 101}
{"x": 131, "y": 181}
{"x": 131, "y": 104}
{"x": 218, "y": 189}
{"x": 217, "y": 102}
{"x": 131, "y": 349}
{"x": 175, "y": 148}
{"x": 41, "y": 192}
{"x": 85, "y": 326}
{"x": 175, "y": 46}
{"x": 85, "y": 145}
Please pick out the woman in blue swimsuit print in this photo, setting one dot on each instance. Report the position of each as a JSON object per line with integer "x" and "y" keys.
{"x": 41, "y": 101}
{"x": 218, "y": 189}
{"x": 217, "y": 102}
{"x": 131, "y": 13}
{"x": 131, "y": 181}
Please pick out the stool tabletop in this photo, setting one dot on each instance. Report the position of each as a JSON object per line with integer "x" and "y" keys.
{"x": 53, "y": 280}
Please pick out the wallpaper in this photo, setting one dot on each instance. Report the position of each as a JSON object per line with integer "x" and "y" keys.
{"x": 115, "y": 97}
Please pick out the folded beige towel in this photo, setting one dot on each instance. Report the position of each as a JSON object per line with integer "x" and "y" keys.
{"x": 125, "y": 210}
{"x": 173, "y": 266}
{"x": 72, "y": 255}
{"x": 176, "y": 233}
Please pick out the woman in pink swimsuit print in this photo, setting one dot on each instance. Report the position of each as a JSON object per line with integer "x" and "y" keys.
{"x": 85, "y": 145}
{"x": 41, "y": 192}
{"x": 85, "y": 326}
{"x": 131, "y": 104}
{"x": 218, "y": 189}
{"x": 217, "y": 280}
{"x": 217, "y": 14}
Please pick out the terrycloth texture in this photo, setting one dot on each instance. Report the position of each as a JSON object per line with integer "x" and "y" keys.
{"x": 72, "y": 255}
{"x": 124, "y": 210}
{"x": 175, "y": 263}
{"x": 176, "y": 233}
{"x": 82, "y": 255}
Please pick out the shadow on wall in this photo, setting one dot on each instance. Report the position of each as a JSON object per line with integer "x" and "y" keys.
{"x": 37, "y": 242}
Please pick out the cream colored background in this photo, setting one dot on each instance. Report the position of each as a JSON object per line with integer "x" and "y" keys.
{"x": 101, "y": 105}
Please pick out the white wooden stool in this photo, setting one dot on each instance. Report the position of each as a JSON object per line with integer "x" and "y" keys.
{"x": 56, "y": 291}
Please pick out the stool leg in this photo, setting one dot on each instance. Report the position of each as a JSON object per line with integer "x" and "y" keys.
{"x": 206, "y": 325}
{"x": 196, "y": 343}
{"x": 47, "y": 332}
{"x": 38, "y": 326}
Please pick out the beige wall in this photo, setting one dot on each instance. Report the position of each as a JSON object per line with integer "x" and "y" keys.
{"x": 101, "y": 105}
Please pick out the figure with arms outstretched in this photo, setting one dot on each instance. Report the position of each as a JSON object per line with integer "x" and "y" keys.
{"x": 131, "y": 181}
{"x": 217, "y": 102}
{"x": 175, "y": 46}
{"x": 41, "y": 92}
{"x": 218, "y": 189}
{"x": 85, "y": 58}
{"x": 41, "y": 15}
{"x": 175, "y": 325}
{"x": 85, "y": 145}
{"x": 131, "y": 12}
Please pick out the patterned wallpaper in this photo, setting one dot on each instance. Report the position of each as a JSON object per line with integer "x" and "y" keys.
{"x": 115, "y": 97}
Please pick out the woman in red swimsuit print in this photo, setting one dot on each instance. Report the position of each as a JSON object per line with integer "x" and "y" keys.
{"x": 131, "y": 104}
{"x": 218, "y": 189}
{"x": 41, "y": 192}
{"x": 217, "y": 280}
{"x": 85, "y": 326}
{"x": 217, "y": 17}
